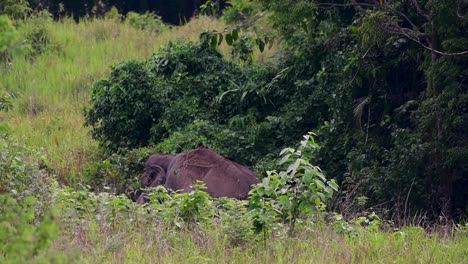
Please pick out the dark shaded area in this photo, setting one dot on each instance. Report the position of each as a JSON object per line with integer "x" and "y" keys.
{"x": 171, "y": 11}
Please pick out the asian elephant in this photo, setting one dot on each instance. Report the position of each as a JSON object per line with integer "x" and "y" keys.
{"x": 222, "y": 177}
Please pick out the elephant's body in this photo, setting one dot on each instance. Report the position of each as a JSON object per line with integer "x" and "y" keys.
{"x": 222, "y": 177}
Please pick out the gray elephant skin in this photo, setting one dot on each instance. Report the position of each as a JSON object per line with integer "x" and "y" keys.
{"x": 222, "y": 177}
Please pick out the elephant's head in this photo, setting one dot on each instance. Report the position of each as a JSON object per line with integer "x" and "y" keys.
{"x": 153, "y": 176}
{"x": 155, "y": 169}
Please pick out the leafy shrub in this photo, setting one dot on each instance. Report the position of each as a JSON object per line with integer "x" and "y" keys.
{"x": 8, "y": 33}
{"x": 38, "y": 36}
{"x": 301, "y": 189}
{"x": 182, "y": 209}
{"x": 175, "y": 87}
{"x": 16, "y": 9}
{"x": 22, "y": 177}
{"x": 124, "y": 107}
{"x": 118, "y": 173}
{"x": 27, "y": 225}
{"x": 113, "y": 14}
{"x": 241, "y": 10}
{"x": 235, "y": 220}
{"x": 110, "y": 210}
{"x": 148, "y": 21}
{"x": 22, "y": 239}
{"x": 191, "y": 96}
{"x": 8, "y": 37}
{"x": 370, "y": 222}
{"x": 227, "y": 142}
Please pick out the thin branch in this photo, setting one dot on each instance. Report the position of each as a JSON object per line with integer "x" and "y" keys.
{"x": 458, "y": 10}
{"x": 360, "y": 6}
{"x": 353, "y": 4}
{"x": 419, "y": 9}
{"x": 398, "y": 29}
{"x": 431, "y": 49}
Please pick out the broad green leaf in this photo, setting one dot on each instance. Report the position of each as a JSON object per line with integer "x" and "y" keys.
{"x": 333, "y": 185}
{"x": 284, "y": 159}
{"x": 290, "y": 150}
{"x": 320, "y": 184}
{"x": 229, "y": 39}
{"x": 235, "y": 34}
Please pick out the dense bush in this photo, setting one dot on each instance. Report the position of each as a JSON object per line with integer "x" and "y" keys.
{"x": 27, "y": 204}
{"x": 23, "y": 174}
{"x": 16, "y": 9}
{"x": 184, "y": 96}
{"x": 148, "y": 21}
{"x": 28, "y": 39}
{"x": 388, "y": 109}
{"x": 22, "y": 239}
{"x": 37, "y": 36}
{"x": 8, "y": 33}
{"x": 124, "y": 107}
{"x": 118, "y": 173}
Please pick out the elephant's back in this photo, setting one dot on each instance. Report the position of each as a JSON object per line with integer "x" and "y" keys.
{"x": 222, "y": 177}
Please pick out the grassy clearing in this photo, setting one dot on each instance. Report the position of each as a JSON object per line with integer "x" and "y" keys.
{"x": 55, "y": 86}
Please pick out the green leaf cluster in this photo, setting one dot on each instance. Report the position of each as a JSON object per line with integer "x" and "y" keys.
{"x": 8, "y": 34}
{"x": 299, "y": 189}
{"x": 21, "y": 239}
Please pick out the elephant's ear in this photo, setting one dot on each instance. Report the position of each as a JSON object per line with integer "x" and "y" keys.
{"x": 158, "y": 176}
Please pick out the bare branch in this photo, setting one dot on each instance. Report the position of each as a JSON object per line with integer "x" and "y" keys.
{"x": 352, "y": 4}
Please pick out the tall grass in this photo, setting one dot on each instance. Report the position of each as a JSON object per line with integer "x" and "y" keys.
{"x": 55, "y": 86}
{"x": 157, "y": 244}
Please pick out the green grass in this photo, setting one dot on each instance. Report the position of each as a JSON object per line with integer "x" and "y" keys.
{"x": 156, "y": 244}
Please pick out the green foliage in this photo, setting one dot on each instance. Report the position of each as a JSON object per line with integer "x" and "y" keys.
{"x": 21, "y": 239}
{"x": 148, "y": 21}
{"x": 243, "y": 49}
{"x": 22, "y": 177}
{"x": 16, "y": 9}
{"x": 383, "y": 104}
{"x": 123, "y": 107}
{"x": 117, "y": 173}
{"x": 27, "y": 197}
{"x": 8, "y": 34}
{"x": 183, "y": 209}
{"x": 6, "y": 103}
{"x": 236, "y": 221}
{"x": 113, "y": 14}
{"x": 176, "y": 94}
{"x": 38, "y": 36}
{"x": 298, "y": 190}
{"x": 241, "y": 10}
{"x": 370, "y": 222}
